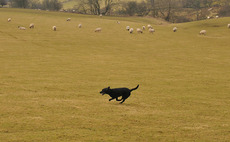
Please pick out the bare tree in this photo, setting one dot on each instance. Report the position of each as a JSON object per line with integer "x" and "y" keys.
{"x": 94, "y": 6}
{"x": 169, "y": 3}
{"x": 196, "y": 4}
{"x": 165, "y": 8}
{"x": 108, "y": 6}
{"x": 153, "y": 7}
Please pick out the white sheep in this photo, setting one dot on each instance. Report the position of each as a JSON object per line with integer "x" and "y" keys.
{"x": 98, "y": 30}
{"x": 149, "y": 27}
{"x": 21, "y": 28}
{"x": 139, "y": 31}
{"x": 174, "y": 29}
{"x": 118, "y": 22}
{"x": 127, "y": 28}
{"x": 143, "y": 27}
{"x": 68, "y": 19}
{"x": 9, "y": 19}
{"x": 151, "y": 30}
{"x": 203, "y": 32}
{"x": 131, "y": 30}
{"x": 217, "y": 16}
{"x": 208, "y": 17}
{"x": 79, "y": 26}
{"x": 228, "y": 25}
{"x": 54, "y": 28}
{"x": 100, "y": 15}
{"x": 31, "y": 26}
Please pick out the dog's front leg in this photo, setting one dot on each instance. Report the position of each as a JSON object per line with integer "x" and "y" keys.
{"x": 111, "y": 99}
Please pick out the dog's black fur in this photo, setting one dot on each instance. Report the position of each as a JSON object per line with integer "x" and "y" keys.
{"x": 117, "y": 92}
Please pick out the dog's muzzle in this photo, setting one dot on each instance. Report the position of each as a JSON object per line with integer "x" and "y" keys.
{"x": 102, "y": 93}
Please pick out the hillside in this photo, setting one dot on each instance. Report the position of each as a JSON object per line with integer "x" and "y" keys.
{"x": 50, "y": 80}
{"x": 69, "y": 4}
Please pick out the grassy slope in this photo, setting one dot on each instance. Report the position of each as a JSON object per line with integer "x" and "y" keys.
{"x": 71, "y": 3}
{"x": 50, "y": 81}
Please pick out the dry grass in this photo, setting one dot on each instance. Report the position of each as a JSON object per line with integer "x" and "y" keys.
{"x": 50, "y": 81}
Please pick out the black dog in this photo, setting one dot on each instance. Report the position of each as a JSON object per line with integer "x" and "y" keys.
{"x": 117, "y": 92}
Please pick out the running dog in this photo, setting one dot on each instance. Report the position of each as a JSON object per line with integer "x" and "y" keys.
{"x": 117, "y": 92}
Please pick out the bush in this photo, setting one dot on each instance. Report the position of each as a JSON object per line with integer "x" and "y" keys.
{"x": 51, "y": 5}
{"x": 20, "y": 3}
{"x": 131, "y": 8}
{"x": 142, "y": 9}
{"x": 34, "y": 4}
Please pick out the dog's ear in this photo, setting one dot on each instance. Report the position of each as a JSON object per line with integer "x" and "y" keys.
{"x": 109, "y": 87}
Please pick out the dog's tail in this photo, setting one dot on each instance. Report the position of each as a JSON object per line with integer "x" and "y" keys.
{"x": 134, "y": 88}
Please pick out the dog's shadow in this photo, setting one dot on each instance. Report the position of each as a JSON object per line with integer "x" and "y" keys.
{"x": 127, "y": 104}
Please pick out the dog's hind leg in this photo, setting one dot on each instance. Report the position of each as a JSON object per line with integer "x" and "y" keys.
{"x": 122, "y": 101}
{"x": 118, "y": 99}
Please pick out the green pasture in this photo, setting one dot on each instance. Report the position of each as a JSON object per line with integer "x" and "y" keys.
{"x": 50, "y": 80}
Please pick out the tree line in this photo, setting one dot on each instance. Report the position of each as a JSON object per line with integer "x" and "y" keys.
{"x": 170, "y": 10}
{"x": 54, "y": 5}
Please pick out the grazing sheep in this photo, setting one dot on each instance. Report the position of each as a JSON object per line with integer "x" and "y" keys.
{"x": 203, "y": 32}
{"x": 131, "y": 30}
{"x": 54, "y": 28}
{"x": 100, "y": 15}
{"x": 68, "y": 19}
{"x": 9, "y": 19}
{"x": 118, "y": 22}
{"x": 21, "y": 28}
{"x": 143, "y": 27}
{"x": 228, "y": 25}
{"x": 174, "y": 29}
{"x": 31, "y": 26}
{"x": 149, "y": 27}
{"x": 79, "y": 26}
{"x": 127, "y": 28}
{"x": 98, "y": 30}
{"x": 151, "y": 31}
{"x": 217, "y": 16}
{"x": 139, "y": 31}
{"x": 208, "y": 17}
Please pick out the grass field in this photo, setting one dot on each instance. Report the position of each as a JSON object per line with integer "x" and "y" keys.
{"x": 50, "y": 81}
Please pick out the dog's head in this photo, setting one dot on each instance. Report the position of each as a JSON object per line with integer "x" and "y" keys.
{"x": 105, "y": 91}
